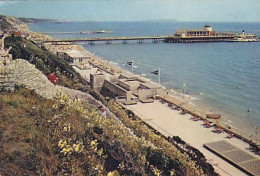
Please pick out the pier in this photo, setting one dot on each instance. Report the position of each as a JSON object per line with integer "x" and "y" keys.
{"x": 153, "y": 39}
{"x": 205, "y": 34}
{"x": 80, "y": 32}
{"x": 109, "y": 40}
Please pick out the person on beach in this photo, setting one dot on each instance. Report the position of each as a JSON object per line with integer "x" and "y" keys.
{"x": 102, "y": 111}
{"x": 230, "y": 135}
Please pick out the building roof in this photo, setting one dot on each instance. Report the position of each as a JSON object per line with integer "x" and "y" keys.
{"x": 150, "y": 85}
{"x": 205, "y": 28}
{"x": 130, "y": 82}
{"x": 128, "y": 75}
{"x": 207, "y": 25}
{"x": 75, "y": 54}
{"x": 191, "y": 30}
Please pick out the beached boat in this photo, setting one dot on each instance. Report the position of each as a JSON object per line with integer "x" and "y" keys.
{"x": 213, "y": 116}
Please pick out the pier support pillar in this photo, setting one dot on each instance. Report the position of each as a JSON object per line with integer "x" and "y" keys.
{"x": 91, "y": 43}
{"x": 155, "y": 40}
{"x": 140, "y": 41}
{"x": 124, "y": 41}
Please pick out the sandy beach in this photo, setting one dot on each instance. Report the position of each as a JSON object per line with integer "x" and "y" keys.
{"x": 171, "y": 123}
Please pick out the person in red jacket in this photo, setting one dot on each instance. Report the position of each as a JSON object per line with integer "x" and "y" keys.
{"x": 53, "y": 78}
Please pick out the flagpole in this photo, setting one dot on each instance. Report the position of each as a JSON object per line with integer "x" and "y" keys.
{"x": 183, "y": 89}
{"x": 159, "y": 74}
{"x": 132, "y": 66}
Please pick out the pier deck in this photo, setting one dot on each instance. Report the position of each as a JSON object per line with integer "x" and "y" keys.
{"x": 110, "y": 39}
{"x": 154, "y": 39}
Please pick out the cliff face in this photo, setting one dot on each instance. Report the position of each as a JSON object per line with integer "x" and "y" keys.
{"x": 4, "y": 24}
{"x": 36, "y": 20}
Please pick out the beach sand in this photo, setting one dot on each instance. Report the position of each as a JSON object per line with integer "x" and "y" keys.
{"x": 171, "y": 123}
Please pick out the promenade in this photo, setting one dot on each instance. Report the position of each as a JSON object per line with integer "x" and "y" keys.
{"x": 170, "y": 122}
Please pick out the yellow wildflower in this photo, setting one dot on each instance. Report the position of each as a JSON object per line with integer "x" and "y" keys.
{"x": 78, "y": 147}
{"x": 100, "y": 152}
{"x": 66, "y": 150}
{"x": 114, "y": 173}
{"x": 55, "y": 106}
{"x": 92, "y": 143}
{"x": 62, "y": 143}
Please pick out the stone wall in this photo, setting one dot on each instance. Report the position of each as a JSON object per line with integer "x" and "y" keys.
{"x": 6, "y": 78}
{"x": 6, "y": 72}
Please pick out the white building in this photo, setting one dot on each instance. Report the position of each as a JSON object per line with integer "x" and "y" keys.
{"x": 74, "y": 57}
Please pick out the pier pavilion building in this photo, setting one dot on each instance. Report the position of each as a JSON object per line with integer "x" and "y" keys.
{"x": 206, "y": 31}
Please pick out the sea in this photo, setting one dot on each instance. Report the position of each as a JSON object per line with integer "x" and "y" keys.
{"x": 221, "y": 77}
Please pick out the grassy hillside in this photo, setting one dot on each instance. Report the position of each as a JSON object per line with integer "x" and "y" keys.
{"x": 69, "y": 137}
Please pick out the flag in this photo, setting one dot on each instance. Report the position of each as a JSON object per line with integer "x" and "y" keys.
{"x": 156, "y": 72}
{"x": 130, "y": 63}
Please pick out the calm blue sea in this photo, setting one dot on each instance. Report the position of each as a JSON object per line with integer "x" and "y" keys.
{"x": 222, "y": 77}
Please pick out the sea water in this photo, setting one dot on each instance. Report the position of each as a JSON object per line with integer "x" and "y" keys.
{"x": 219, "y": 77}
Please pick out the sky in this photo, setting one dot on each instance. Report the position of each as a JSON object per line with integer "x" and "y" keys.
{"x": 135, "y": 10}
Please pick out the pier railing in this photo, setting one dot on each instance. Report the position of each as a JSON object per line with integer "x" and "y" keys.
{"x": 110, "y": 39}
